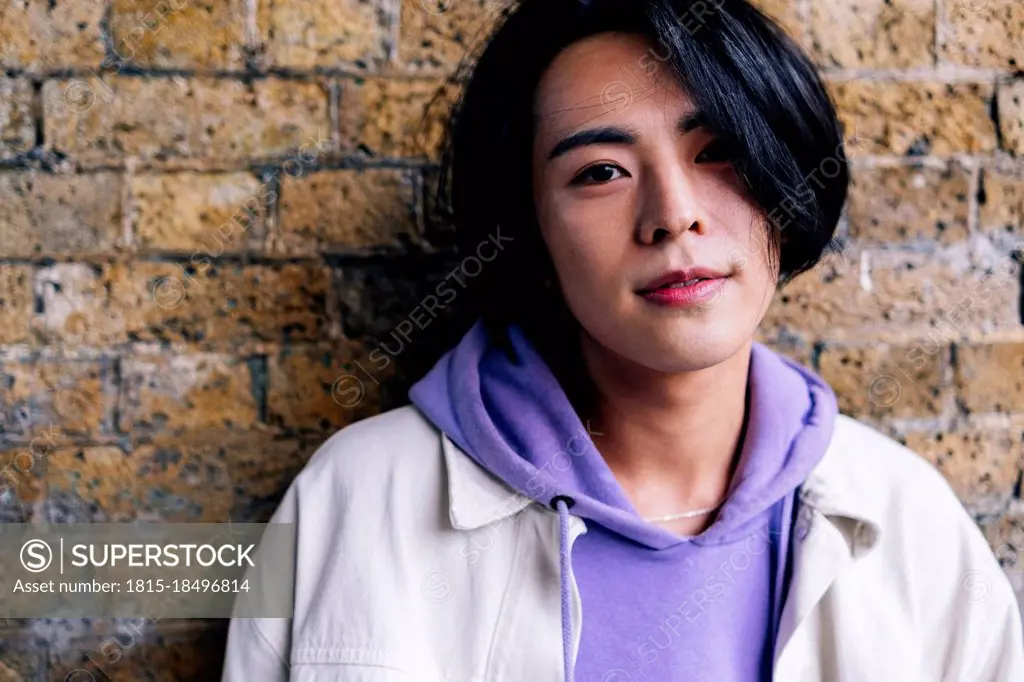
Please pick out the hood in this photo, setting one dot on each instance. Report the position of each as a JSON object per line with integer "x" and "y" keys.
{"x": 512, "y": 417}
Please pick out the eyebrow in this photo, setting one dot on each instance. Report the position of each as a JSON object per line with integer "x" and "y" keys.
{"x": 618, "y": 135}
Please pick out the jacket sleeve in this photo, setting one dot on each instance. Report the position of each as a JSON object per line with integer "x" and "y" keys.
{"x": 991, "y": 645}
{"x": 259, "y": 649}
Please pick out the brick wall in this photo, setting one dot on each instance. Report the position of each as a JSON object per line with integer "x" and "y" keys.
{"x": 213, "y": 211}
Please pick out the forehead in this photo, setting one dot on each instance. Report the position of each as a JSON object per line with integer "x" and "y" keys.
{"x": 604, "y": 79}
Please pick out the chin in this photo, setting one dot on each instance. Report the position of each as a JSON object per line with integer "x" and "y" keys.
{"x": 673, "y": 344}
{"x": 692, "y": 357}
{"x": 684, "y": 345}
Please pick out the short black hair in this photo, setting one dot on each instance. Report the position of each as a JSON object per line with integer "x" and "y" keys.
{"x": 759, "y": 91}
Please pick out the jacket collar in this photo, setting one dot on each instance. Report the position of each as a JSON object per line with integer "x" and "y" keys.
{"x": 835, "y": 487}
{"x": 475, "y": 496}
{"x": 841, "y": 486}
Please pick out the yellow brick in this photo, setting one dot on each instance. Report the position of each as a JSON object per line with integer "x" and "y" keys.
{"x": 1005, "y": 533}
{"x": 982, "y": 465}
{"x": 1011, "y": 116}
{"x": 104, "y": 476}
{"x": 909, "y": 204}
{"x": 1003, "y": 207}
{"x": 208, "y": 213}
{"x": 38, "y": 395}
{"x": 16, "y": 303}
{"x": 23, "y": 475}
{"x": 347, "y": 209}
{"x": 897, "y": 298}
{"x": 324, "y": 389}
{"x": 209, "y": 477}
{"x": 222, "y": 303}
{"x": 154, "y": 482}
{"x": 396, "y": 117}
{"x": 437, "y": 34}
{"x": 47, "y": 214}
{"x": 185, "y": 34}
{"x": 990, "y": 378}
{"x": 202, "y": 303}
{"x": 178, "y": 393}
{"x": 325, "y": 33}
{"x": 75, "y": 307}
{"x": 984, "y": 33}
{"x": 156, "y": 117}
{"x": 42, "y": 34}
{"x": 872, "y": 33}
{"x": 916, "y": 118}
{"x": 17, "y": 125}
{"x": 881, "y": 381}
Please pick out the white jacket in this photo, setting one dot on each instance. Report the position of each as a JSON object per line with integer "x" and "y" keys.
{"x": 415, "y": 564}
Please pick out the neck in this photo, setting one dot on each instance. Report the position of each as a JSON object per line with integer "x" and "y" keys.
{"x": 671, "y": 440}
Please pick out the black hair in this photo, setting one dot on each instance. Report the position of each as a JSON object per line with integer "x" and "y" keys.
{"x": 759, "y": 91}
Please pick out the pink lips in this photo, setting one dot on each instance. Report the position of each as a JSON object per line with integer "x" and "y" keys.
{"x": 685, "y": 288}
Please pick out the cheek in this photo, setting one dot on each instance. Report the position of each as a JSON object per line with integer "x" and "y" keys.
{"x": 584, "y": 238}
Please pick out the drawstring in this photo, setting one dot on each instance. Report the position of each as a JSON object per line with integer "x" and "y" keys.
{"x": 562, "y": 503}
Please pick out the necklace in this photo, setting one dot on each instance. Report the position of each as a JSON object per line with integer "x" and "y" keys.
{"x": 684, "y": 515}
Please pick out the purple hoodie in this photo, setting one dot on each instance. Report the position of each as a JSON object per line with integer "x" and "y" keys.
{"x": 656, "y": 606}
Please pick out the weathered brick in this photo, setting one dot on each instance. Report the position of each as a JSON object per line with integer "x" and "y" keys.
{"x": 40, "y": 394}
{"x": 990, "y": 377}
{"x": 103, "y": 477}
{"x": 325, "y": 33}
{"x": 211, "y": 213}
{"x": 260, "y": 470}
{"x": 161, "y": 482}
{"x": 982, "y": 465}
{"x": 786, "y": 13}
{"x": 47, "y": 214}
{"x": 437, "y": 34}
{"x": 395, "y": 117}
{"x": 185, "y": 34}
{"x": 150, "y": 652}
{"x": 75, "y": 307}
{"x": 23, "y": 480}
{"x": 202, "y": 302}
{"x": 46, "y": 34}
{"x": 882, "y": 381}
{"x": 154, "y": 118}
{"x": 21, "y": 658}
{"x": 898, "y": 297}
{"x": 909, "y": 204}
{"x": 209, "y": 477}
{"x": 1005, "y": 534}
{"x": 984, "y": 33}
{"x": 226, "y": 303}
{"x": 17, "y": 124}
{"x": 186, "y": 393}
{"x": 1011, "y": 116}
{"x": 323, "y": 389}
{"x": 16, "y": 303}
{"x": 1002, "y": 203}
{"x": 893, "y": 117}
{"x": 346, "y": 210}
{"x": 872, "y": 33}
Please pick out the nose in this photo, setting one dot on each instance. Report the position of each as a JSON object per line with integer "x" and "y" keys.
{"x": 669, "y": 207}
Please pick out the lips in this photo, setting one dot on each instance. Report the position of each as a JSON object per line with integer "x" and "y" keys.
{"x": 678, "y": 279}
